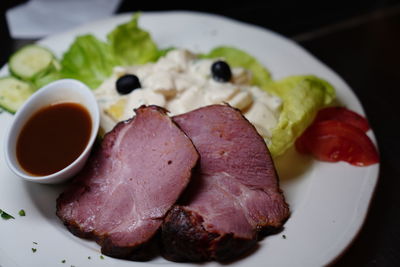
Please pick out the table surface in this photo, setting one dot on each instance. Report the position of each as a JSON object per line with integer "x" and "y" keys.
{"x": 362, "y": 44}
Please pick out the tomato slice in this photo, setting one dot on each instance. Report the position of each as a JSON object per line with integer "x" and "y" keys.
{"x": 344, "y": 115}
{"x": 333, "y": 140}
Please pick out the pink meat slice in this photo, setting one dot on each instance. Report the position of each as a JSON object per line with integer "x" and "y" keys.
{"x": 123, "y": 193}
{"x": 234, "y": 196}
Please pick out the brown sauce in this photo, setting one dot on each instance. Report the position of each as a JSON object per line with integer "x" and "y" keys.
{"x": 53, "y": 138}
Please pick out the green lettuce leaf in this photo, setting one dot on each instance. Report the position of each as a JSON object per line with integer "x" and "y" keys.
{"x": 88, "y": 60}
{"x": 131, "y": 45}
{"x": 238, "y": 58}
{"x": 302, "y": 97}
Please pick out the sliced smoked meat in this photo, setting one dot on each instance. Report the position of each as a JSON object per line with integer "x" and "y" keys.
{"x": 234, "y": 196}
{"x": 121, "y": 196}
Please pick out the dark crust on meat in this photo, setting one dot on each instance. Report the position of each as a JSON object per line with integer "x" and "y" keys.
{"x": 140, "y": 252}
{"x": 183, "y": 238}
{"x": 137, "y": 252}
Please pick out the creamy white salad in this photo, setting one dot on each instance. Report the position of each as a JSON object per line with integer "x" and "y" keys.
{"x": 181, "y": 82}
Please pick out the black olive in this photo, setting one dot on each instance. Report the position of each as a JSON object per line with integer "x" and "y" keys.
{"x": 221, "y": 72}
{"x": 127, "y": 84}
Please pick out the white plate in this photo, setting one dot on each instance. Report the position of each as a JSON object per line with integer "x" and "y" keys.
{"x": 328, "y": 201}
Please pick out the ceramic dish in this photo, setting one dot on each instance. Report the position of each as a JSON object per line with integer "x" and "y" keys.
{"x": 61, "y": 91}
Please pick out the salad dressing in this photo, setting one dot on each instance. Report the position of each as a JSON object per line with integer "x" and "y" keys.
{"x": 53, "y": 138}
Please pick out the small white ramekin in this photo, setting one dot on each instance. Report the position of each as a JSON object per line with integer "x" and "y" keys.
{"x": 66, "y": 90}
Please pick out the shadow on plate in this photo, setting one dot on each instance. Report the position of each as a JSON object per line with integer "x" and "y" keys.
{"x": 247, "y": 254}
{"x": 292, "y": 165}
{"x": 44, "y": 197}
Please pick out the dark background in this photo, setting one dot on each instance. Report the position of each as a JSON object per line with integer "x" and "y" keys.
{"x": 360, "y": 40}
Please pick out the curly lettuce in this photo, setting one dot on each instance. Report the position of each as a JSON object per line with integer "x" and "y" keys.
{"x": 131, "y": 45}
{"x": 302, "y": 97}
{"x": 91, "y": 60}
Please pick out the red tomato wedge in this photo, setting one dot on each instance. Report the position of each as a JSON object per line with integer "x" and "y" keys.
{"x": 344, "y": 115}
{"x": 333, "y": 140}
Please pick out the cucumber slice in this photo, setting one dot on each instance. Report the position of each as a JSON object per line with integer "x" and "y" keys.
{"x": 31, "y": 62}
{"x": 13, "y": 93}
{"x": 41, "y": 81}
